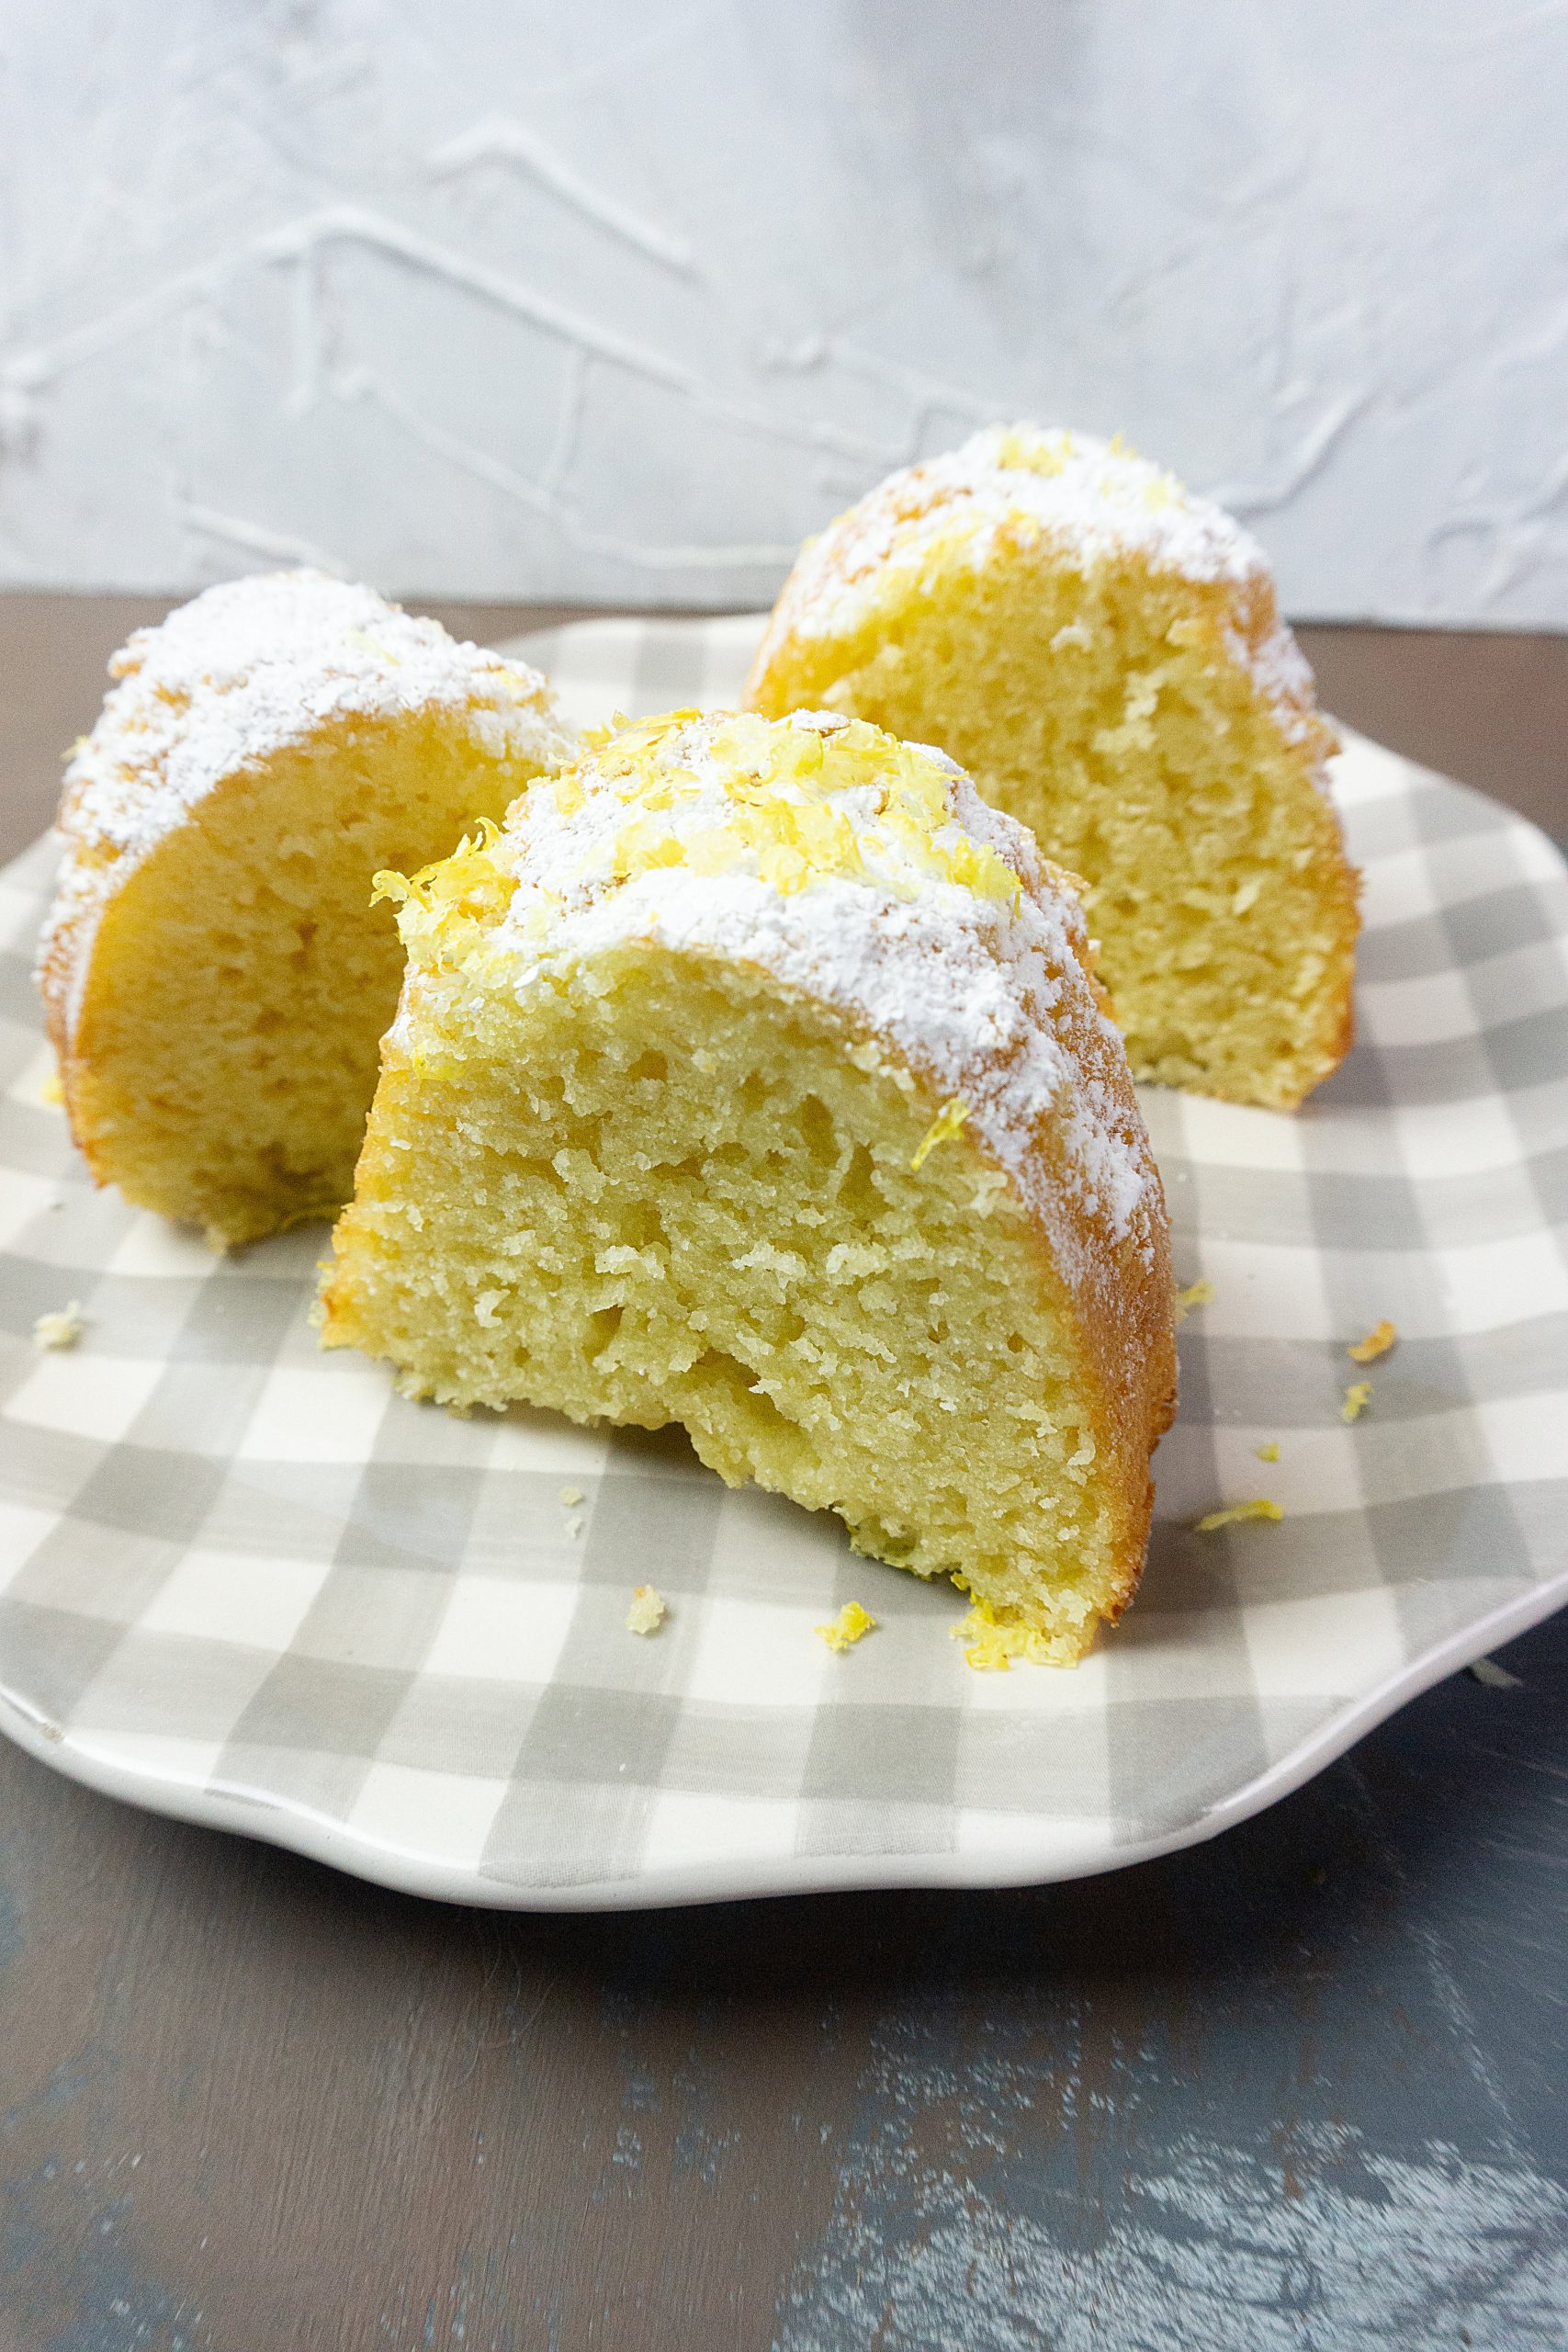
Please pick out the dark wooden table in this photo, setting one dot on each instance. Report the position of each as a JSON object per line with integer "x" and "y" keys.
{"x": 1301, "y": 2090}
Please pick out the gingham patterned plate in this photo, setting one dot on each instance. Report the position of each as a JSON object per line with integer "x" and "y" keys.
{"x": 245, "y": 1582}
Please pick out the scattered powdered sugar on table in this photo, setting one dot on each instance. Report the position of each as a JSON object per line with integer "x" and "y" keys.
{"x": 1201, "y": 2245}
{"x": 987, "y": 997}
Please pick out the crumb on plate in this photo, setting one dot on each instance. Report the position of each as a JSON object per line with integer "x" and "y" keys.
{"x": 1269, "y": 1453}
{"x": 648, "y": 1612}
{"x": 1198, "y": 1293}
{"x": 1377, "y": 1343}
{"x": 61, "y": 1328}
{"x": 1357, "y": 1397}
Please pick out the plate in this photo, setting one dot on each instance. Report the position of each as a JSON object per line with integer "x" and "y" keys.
{"x": 246, "y": 1583}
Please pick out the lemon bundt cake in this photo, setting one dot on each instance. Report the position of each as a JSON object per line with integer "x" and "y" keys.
{"x": 216, "y": 979}
{"x": 753, "y": 1078}
{"x": 1104, "y": 656}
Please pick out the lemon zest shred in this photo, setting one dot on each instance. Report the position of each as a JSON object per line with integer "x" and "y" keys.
{"x": 1036, "y": 453}
{"x": 1258, "y": 1508}
{"x": 455, "y": 887}
{"x": 850, "y": 1625}
{"x": 943, "y": 1128}
{"x": 642, "y": 845}
{"x": 780, "y": 783}
{"x": 992, "y": 1643}
{"x": 1269, "y": 1453}
{"x": 1198, "y": 1293}
{"x": 1357, "y": 1397}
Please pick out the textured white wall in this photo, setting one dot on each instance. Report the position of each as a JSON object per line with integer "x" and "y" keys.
{"x": 615, "y": 298}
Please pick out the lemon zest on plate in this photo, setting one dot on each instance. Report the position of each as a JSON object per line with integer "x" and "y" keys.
{"x": 1258, "y": 1508}
{"x": 850, "y": 1625}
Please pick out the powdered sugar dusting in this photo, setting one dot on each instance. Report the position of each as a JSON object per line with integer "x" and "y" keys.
{"x": 243, "y": 672}
{"x": 1097, "y": 501}
{"x": 256, "y": 664}
{"x": 985, "y": 996}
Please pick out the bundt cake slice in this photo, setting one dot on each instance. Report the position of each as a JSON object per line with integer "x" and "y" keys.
{"x": 753, "y": 1078}
{"x": 216, "y": 979}
{"x": 1104, "y": 655}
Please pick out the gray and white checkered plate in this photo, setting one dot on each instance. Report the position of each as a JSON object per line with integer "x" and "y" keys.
{"x": 246, "y": 1583}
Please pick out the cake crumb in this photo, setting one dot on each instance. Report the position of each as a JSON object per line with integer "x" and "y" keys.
{"x": 943, "y": 1128}
{"x": 1494, "y": 1677}
{"x": 1258, "y": 1508}
{"x": 1357, "y": 1397}
{"x": 648, "y": 1612}
{"x": 850, "y": 1625}
{"x": 988, "y": 1187}
{"x": 568, "y": 1498}
{"x": 1269, "y": 1452}
{"x": 60, "y": 1328}
{"x": 575, "y": 1525}
{"x": 1377, "y": 1343}
{"x": 1198, "y": 1293}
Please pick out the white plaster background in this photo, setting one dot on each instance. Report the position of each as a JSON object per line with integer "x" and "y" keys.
{"x": 615, "y": 298}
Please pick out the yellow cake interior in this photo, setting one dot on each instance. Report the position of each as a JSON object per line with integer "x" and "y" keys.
{"x": 664, "y": 1189}
{"x": 1102, "y": 709}
{"x": 225, "y": 1054}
